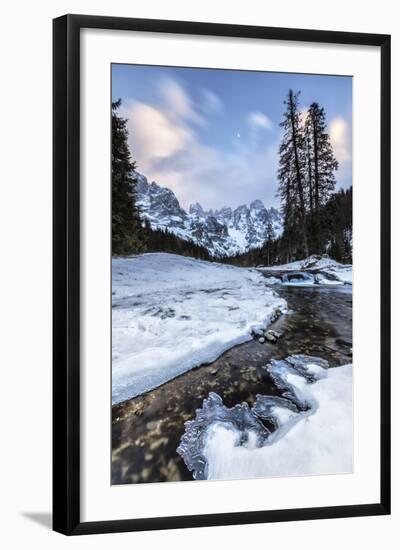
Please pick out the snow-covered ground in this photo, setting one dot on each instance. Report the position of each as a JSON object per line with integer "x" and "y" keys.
{"x": 171, "y": 313}
{"x": 322, "y": 265}
{"x": 313, "y": 427}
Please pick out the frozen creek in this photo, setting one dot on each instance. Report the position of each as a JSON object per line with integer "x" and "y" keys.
{"x": 147, "y": 429}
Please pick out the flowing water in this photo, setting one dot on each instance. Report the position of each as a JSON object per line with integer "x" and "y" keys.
{"x": 146, "y": 430}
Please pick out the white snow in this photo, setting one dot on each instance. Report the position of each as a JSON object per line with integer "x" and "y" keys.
{"x": 172, "y": 313}
{"x": 322, "y": 280}
{"x": 239, "y": 239}
{"x": 343, "y": 273}
{"x": 319, "y": 441}
{"x": 292, "y": 266}
{"x": 272, "y": 281}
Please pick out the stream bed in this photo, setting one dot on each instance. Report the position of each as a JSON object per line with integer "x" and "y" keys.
{"x": 147, "y": 429}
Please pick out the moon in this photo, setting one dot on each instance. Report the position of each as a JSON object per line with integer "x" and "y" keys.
{"x": 238, "y": 135}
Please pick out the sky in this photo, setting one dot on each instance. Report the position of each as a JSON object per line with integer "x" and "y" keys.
{"x": 212, "y": 135}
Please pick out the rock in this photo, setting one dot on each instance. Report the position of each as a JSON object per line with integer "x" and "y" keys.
{"x": 258, "y": 332}
{"x": 275, "y": 316}
{"x": 152, "y": 425}
{"x": 270, "y": 336}
{"x": 276, "y": 333}
{"x": 213, "y": 371}
{"x": 261, "y": 339}
{"x": 278, "y": 313}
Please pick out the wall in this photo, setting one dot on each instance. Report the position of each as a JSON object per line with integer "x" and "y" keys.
{"x": 25, "y": 219}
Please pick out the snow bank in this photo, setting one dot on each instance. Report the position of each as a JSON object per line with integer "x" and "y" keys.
{"x": 172, "y": 313}
{"x": 313, "y": 427}
{"x": 322, "y": 265}
{"x": 343, "y": 273}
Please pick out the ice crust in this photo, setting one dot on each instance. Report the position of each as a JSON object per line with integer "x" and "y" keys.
{"x": 239, "y": 419}
{"x": 312, "y": 423}
{"x": 171, "y": 313}
{"x": 298, "y": 279}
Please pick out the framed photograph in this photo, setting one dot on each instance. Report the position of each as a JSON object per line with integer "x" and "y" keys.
{"x": 221, "y": 274}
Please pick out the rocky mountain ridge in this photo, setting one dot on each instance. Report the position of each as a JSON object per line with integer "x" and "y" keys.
{"x": 223, "y": 232}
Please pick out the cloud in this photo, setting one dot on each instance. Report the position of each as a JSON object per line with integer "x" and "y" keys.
{"x": 179, "y": 102}
{"x": 165, "y": 142}
{"x": 339, "y": 132}
{"x": 211, "y": 103}
{"x": 259, "y": 120}
{"x": 152, "y": 134}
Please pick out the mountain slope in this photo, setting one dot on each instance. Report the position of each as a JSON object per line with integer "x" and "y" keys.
{"x": 223, "y": 232}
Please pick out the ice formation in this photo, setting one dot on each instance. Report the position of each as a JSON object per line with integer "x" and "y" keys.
{"x": 312, "y": 422}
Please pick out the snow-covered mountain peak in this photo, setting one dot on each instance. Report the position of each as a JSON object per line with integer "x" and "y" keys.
{"x": 196, "y": 210}
{"x": 223, "y": 232}
{"x": 257, "y": 205}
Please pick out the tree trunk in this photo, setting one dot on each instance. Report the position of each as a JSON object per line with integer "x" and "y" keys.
{"x": 310, "y": 190}
{"x": 298, "y": 178}
{"x": 317, "y": 200}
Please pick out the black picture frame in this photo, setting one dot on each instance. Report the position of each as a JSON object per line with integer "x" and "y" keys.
{"x": 66, "y": 273}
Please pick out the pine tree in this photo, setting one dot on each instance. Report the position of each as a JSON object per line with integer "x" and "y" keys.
{"x": 270, "y": 237}
{"x": 292, "y": 172}
{"x": 309, "y": 165}
{"x": 337, "y": 225}
{"x": 321, "y": 164}
{"x": 127, "y": 232}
